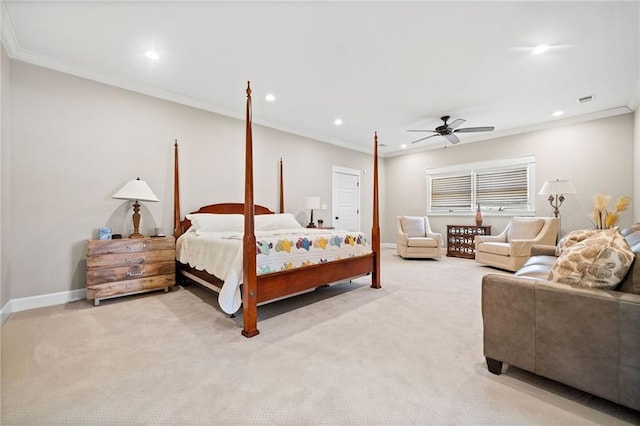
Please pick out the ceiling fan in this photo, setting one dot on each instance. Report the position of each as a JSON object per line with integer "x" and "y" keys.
{"x": 448, "y": 130}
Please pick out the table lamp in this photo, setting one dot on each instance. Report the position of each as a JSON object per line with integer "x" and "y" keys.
{"x": 311, "y": 203}
{"x": 556, "y": 189}
{"x": 136, "y": 190}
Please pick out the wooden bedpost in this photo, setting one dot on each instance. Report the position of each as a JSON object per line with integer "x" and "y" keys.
{"x": 250, "y": 280}
{"x": 375, "y": 229}
{"x": 281, "y": 188}
{"x": 177, "y": 228}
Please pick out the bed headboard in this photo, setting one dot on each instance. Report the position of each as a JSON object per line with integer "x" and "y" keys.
{"x": 180, "y": 225}
{"x": 223, "y": 208}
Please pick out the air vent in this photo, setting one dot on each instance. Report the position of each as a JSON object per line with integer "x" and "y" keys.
{"x": 585, "y": 99}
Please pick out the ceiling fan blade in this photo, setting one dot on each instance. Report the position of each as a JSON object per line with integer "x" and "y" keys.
{"x": 421, "y": 139}
{"x": 475, "y": 129}
{"x": 418, "y": 130}
{"x": 455, "y": 123}
{"x": 452, "y": 138}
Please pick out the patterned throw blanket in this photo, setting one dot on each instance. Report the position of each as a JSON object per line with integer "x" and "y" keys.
{"x": 220, "y": 254}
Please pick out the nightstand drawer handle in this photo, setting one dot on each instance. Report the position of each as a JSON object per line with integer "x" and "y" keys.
{"x": 135, "y": 274}
{"x": 138, "y": 247}
{"x": 135, "y": 260}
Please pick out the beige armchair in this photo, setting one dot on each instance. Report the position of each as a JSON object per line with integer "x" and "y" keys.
{"x": 415, "y": 238}
{"x": 511, "y": 249}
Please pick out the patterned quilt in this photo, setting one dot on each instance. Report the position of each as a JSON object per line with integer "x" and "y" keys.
{"x": 220, "y": 254}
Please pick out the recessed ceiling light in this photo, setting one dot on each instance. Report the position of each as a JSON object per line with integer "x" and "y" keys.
{"x": 270, "y": 97}
{"x": 540, "y": 49}
{"x": 557, "y": 113}
{"x": 152, "y": 55}
{"x": 338, "y": 121}
{"x": 403, "y": 146}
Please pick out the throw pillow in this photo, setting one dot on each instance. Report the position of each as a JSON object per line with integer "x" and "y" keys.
{"x": 600, "y": 261}
{"x": 574, "y": 237}
{"x": 523, "y": 228}
{"x": 413, "y": 226}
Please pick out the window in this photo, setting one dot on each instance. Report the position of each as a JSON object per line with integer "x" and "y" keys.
{"x": 498, "y": 186}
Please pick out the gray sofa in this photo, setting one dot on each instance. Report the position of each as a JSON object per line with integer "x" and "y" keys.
{"x": 584, "y": 337}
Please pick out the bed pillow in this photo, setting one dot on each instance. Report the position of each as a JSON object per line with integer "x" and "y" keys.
{"x": 600, "y": 261}
{"x": 211, "y": 222}
{"x": 272, "y": 222}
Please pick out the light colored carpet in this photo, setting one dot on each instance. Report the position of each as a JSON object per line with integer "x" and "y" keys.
{"x": 409, "y": 353}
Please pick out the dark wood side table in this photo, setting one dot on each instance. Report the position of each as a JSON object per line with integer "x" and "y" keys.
{"x": 460, "y": 239}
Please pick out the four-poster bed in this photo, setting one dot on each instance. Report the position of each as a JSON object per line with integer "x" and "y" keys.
{"x": 258, "y": 287}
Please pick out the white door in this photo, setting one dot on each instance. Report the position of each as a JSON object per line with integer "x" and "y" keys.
{"x": 346, "y": 198}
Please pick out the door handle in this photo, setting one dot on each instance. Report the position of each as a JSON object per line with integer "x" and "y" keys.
{"x": 337, "y": 218}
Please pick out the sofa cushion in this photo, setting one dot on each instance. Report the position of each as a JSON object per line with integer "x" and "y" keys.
{"x": 541, "y": 260}
{"x": 523, "y": 228}
{"x": 633, "y": 240}
{"x": 599, "y": 261}
{"x": 422, "y": 242}
{"x": 494, "y": 248}
{"x": 534, "y": 270}
{"x": 631, "y": 282}
{"x": 413, "y": 226}
{"x": 574, "y": 237}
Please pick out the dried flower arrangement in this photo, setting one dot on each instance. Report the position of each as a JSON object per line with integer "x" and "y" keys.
{"x": 603, "y": 218}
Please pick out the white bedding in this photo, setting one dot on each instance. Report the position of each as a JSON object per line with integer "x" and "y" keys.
{"x": 220, "y": 254}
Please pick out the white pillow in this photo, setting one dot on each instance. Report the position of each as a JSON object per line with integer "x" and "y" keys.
{"x": 211, "y": 222}
{"x": 272, "y": 222}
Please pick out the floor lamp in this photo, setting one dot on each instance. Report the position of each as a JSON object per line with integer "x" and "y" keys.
{"x": 555, "y": 189}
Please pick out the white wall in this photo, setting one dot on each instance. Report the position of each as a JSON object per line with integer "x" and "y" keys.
{"x": 636, "y": 162}
{"x": 76, "y": 142}
{"x": 73, "y": 143}
{"x": 5, "y": 229}
{"x": 597, "y": 156}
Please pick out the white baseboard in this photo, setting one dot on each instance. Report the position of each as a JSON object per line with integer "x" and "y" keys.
{"x": 388, "y": 245}
{"x": 25, "y": 303}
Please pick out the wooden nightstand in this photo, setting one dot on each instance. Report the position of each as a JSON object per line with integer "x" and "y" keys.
{"x": 129, "y": 266}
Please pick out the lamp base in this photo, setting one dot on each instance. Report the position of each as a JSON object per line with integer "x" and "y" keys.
{"x": 136, "y": 221}
{"x": 311, "y": 225}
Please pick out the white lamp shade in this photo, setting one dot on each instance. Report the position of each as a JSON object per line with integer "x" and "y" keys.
{"x": 557, "y": 186}
{"x": 311, "y": 203}
{"x": 136, "y": 189}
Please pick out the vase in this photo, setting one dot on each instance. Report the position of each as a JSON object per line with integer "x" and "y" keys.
{"x": 478, "y": 216}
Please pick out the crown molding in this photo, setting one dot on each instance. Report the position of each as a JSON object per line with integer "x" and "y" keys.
{"x": 14, "y": 51}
